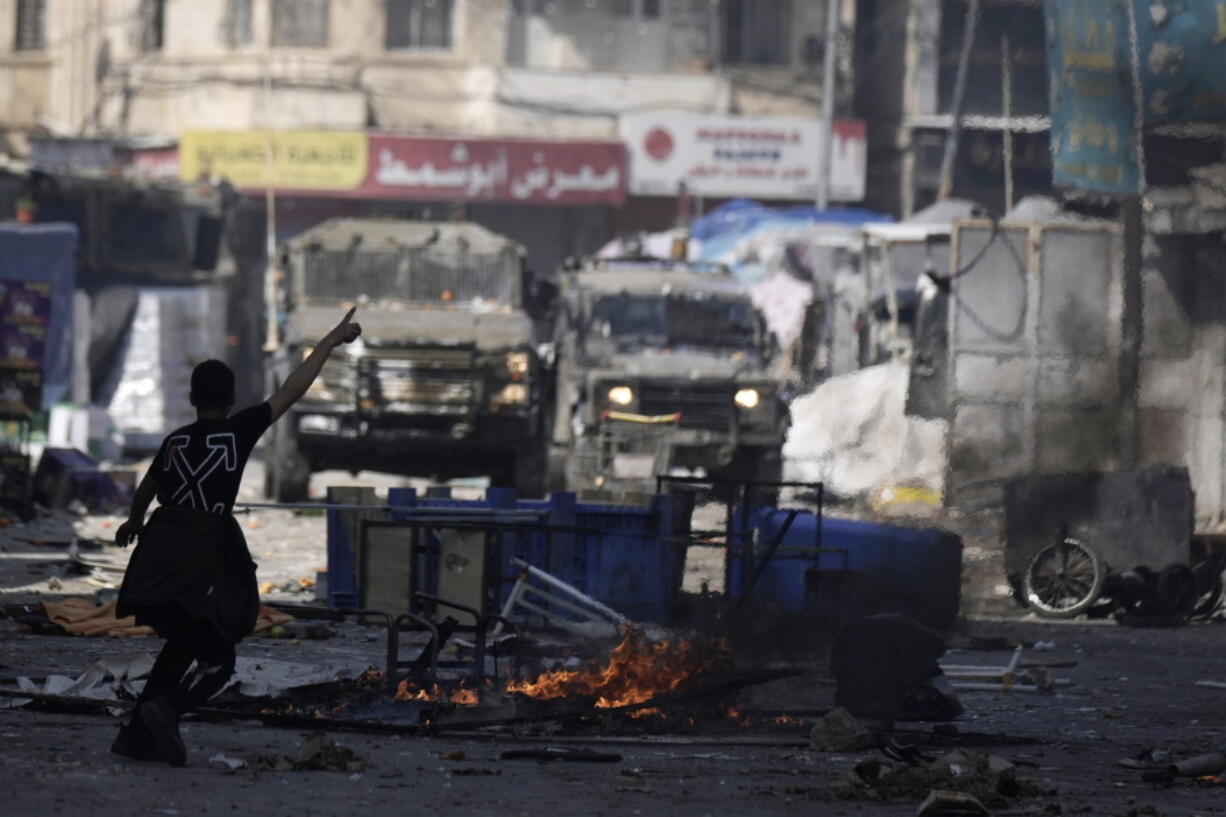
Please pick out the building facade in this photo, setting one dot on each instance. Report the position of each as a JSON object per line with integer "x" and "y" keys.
{"x": 494, "y": 71}
{"x": 907, "y": 96}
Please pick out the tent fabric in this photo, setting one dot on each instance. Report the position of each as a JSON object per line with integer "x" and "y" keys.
{"x": 751, "y": 239}
{"x": 47, "y": 252}
{"x": 743, "y": 215}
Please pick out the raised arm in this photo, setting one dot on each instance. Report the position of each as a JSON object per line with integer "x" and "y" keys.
{"x": 300, "y": 379}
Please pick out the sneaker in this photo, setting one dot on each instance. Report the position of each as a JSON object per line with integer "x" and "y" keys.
{"x": 134, "y": 741}
{"x": 162, "y": 721}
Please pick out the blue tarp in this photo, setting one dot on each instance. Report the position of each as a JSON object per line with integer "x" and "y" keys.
{"x": 46, "y": 252}
{"x": 723, "y": 229}
{"x": 742, "y": 216}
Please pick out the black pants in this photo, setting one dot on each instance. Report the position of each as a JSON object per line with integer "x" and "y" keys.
{"x": 190, "y": 641}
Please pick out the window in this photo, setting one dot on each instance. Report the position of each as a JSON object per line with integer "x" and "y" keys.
{"x": 300, "y": 23}
{"x": 418, "y": 24}
{"x": 152, "y": 25}
{"x": 757, "y": 32}
{"x": 31, "y": 19}
{"x": 236, "y": 25}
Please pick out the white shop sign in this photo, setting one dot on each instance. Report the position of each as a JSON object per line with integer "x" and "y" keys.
{"x": 728, "y": 156}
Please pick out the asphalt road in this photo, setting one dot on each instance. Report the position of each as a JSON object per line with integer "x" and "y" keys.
{"x": 1131, "y": 690}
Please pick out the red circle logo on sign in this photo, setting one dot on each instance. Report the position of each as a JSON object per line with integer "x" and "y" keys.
{"x": 658, "y": 143}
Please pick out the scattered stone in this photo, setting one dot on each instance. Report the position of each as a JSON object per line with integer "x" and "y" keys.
{"x": 317, "y": 754}
{"x": 991, "y": 780}
{"x": 839, "y": 731}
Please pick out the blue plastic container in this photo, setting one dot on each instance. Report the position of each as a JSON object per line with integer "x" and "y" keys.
{"x": 877, "y": 568}
{"x": 620, "y": 555}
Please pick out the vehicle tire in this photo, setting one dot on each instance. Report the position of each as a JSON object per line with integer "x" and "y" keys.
{"x": 1176, "y": 591}
{"x": 288, "y": 473}
{"x": 1063, "y": 580}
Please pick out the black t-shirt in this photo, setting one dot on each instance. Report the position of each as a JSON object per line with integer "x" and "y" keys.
{"x": 201, "y": 465}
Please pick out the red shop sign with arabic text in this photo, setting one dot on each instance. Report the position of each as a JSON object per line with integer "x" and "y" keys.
{"x": 509, "y": 171}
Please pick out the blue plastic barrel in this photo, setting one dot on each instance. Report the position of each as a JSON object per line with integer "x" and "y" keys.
{"x": 877, "y": 568}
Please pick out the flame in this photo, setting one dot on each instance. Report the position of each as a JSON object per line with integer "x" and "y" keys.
{"x": 465, "y": 697}
{"x": 406, "y": 690}
{"x": 736, "y": 717}
{"x": 649, "y": 712}
{"x": 638, "y": 670}
{"x": 783, "y": 720}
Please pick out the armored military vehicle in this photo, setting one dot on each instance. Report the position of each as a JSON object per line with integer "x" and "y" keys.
{"x": 662, "y": 366}
{"x": 449, "y": 377}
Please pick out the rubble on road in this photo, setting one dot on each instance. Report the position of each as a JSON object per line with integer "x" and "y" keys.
{"x": 230, "y": 764}
{"x": 950, "y": 802}
{"x": 317, "y": 754}
{"x": 991, "y": 780}
{"x": 104, "y": 681}
{"x": 1210, "y": 764}
{"x": 123, "y": 677}
{"x": 839, "y": 731}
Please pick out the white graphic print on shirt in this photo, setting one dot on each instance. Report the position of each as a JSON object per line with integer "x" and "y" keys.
{"x": 222, "y": 450}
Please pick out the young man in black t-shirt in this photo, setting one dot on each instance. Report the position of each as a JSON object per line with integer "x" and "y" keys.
{"x": 191, "y": 576}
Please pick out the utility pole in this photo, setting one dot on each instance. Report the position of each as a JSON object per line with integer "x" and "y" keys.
{"x": 955, "y": 127}
{"x": 270, "y": 215}
{"x": 1132, "y": 224}
{"x": 829, "y": 69}
{"x": 1006, "y": 97}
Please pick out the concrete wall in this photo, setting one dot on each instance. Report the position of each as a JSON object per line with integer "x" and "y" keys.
{"x": 1182, "y": 398}
{"x": 1035, "y": 338}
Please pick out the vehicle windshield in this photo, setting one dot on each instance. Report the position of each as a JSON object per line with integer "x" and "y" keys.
{"x": 674, "y": 320}
{"x": 468, "y": 280}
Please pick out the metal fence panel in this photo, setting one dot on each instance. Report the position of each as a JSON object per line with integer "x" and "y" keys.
{"x": 1034, "y": 354}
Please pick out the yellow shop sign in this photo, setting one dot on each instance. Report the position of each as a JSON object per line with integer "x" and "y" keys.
{"x": 299, "y": 160}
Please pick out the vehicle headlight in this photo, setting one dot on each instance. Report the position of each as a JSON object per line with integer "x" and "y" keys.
{"x": 747, "y": 398}
{"x": 621, "y": 395}
{"x": 512, "y": 394}
{"x": 518, "y": 363}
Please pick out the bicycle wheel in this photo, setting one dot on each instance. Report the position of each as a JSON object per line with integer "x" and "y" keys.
{"x": 1063, "y": 580}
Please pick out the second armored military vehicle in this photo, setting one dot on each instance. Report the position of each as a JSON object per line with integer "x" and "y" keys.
{"x": 662, "y": 366}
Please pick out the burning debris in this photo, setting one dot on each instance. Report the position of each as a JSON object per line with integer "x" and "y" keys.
{"x": 638, "y": 670}
{"x": 408, "y": 690}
